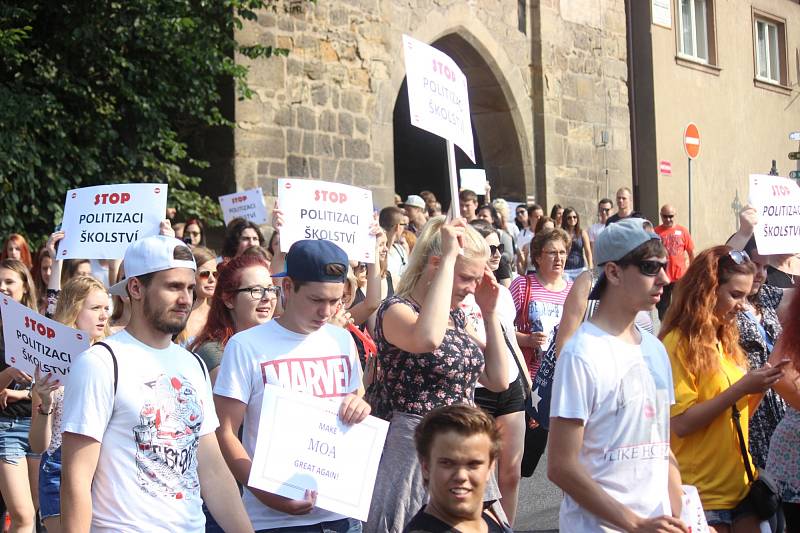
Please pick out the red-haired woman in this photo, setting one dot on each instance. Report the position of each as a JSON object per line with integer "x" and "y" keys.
{"x": 16, "y": 247}
{"x": 710, "y": 375}
{"x": 244, "y": 297}
{"x": 783, "y": 460}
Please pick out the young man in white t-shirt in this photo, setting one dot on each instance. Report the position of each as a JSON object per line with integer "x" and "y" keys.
{"x": 609, "y": 413}
{"x": 139, "y": 421}
{"x": 299, "y": 351}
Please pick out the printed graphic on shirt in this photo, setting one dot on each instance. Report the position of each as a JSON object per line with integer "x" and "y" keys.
{"x": 647, "y": 439}
{"x": 674, "y": 242}
{"x": 323, "y": 377}
{"x": 544, "y": 317}
{"x": 167, "y": 438}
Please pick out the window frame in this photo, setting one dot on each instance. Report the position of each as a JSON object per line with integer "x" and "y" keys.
{"x": 779, "y": 23}
{"x": 711, "y": 34}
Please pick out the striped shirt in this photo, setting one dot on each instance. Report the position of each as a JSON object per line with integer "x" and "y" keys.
{"x": 543, "y": 314}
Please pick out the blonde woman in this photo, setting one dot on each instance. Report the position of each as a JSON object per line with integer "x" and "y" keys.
{"x": 82, "y": 304}
{"x": 19, "y": 465}
{"x": 427, "y": 358}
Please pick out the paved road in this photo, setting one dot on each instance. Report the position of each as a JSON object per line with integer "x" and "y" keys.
{"x": 538, "y": 505}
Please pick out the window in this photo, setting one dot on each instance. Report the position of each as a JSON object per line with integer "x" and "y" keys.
{"x": 696, "y": 30}
{"x": 770, "y": 49}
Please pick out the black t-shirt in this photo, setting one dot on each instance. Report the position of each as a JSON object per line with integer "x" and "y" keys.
{"x": 617, "y": 218}
{"x": 425, "y": 523}
{"x": 779, "y": 278}
{"x": 18, "y": 409}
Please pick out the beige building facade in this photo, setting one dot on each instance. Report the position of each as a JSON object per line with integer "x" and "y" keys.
{"x": 730, "y": 67}
{"x": 547, "y": 84}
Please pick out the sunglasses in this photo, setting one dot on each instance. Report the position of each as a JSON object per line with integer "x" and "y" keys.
{"x": 739, "y": 257}
{"x": 360, "y": 266}
{"x": 205, "y": 274}
{"x": 668, "y": 217}
{"x": 648, "y": 267}
{"x": 497, "y": 248}
{"x": 605, "y": 209}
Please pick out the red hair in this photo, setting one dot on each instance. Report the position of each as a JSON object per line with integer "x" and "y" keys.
{"x": 219, "y": 326}
{"x": 789, "y": 342}
{"x": 691, "y": 312}
{"x": 25, "y": 252}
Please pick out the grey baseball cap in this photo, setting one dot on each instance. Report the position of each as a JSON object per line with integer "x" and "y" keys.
{"x": 615, "y": 242}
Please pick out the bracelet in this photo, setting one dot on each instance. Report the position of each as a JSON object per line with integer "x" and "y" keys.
{"x": 39, "y": 410}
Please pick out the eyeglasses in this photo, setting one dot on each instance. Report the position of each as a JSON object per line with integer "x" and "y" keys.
{"x": 261, "y": 293}
{"x": 668, "y": 217}
{"x": 360, "y": 266}
{"x": 648, "y": 267}
{"x": 497, "y": 248}
{"x": 572, "y": 217}
{"x": 604, "y": 209}
{"x": 192, "y": 233}
{"x": 553, "y": 254}
{"x": 205, "y": 274}
{"x": 739, "y": 257}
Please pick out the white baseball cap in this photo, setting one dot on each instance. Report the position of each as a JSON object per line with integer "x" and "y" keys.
{"x": 148, "y": 255}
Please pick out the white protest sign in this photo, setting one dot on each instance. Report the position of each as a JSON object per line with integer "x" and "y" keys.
{"x": 778, "y": 203}
{"x": 34, "y": 341}
{"x": 100, "y": 222}
{"x": 437, "y": 94}
{"x": 302, "y": 445}
{"x": 247, "y": 204}
{"x": 473, "y": 179}
{"x": 329, "y": 211}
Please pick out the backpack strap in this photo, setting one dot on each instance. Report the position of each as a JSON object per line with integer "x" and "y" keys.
{"x": 200, "y": 362}
{"x": 114, "y": 360}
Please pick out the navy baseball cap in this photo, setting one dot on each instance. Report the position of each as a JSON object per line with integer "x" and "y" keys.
{"x": 307, "y": 260}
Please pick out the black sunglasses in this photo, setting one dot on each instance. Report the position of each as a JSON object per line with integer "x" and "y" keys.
{"x": 648, "y": 267}
{"x": 667, "y": 216}
{"x": 497, "y": 249}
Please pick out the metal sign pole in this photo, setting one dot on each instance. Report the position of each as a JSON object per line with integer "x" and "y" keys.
{"x": 690, "y": 195}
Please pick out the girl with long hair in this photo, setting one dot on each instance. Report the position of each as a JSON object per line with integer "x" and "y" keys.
{"x": 240, "y": 235}
{"x": 579, "y": 257}
{"x": 783, "y": 459}
{"x": 244, "y": 297}
{"x": 710, "y": 375}
{"x": 16, "y": 247}
{"x": 557, "y": 213}
{"x": 504, "y": 274}
{"x": 205, "y": 281}
{"x": 19, "y": 465}
{"x": 426, "y": 357}
{"x": 194, "y": 234}
{"x": 82, "y": 304}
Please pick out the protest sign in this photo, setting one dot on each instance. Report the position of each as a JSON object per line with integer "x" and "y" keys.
{"x": 34, "y": 341}
{"x": 100, "y": 222}
{"x": 778, "y": 203}
{"x": 332, "y": 212}
{"x": 473, "y": 179}
{"x": 437, "y": 94}
{"x": 247, "y": 204}
{"x": 302, "y": 445}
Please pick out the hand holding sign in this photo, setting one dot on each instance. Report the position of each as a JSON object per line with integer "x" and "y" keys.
{"x": 778, "y": 203}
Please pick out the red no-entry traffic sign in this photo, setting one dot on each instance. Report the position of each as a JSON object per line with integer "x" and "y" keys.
{"x": 691, "y": 141}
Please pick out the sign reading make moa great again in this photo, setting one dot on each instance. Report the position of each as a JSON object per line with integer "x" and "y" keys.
{"x": 100, "y": 222}
{"x": 34, "y": 341}
{"x": 329, "y": 211}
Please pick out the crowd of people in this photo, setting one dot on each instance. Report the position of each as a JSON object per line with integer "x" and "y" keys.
{"x": 671, "y": 366}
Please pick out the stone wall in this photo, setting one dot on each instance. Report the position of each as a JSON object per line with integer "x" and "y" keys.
{"x": 581, "y": 102}
{"x": 325, "y": 111}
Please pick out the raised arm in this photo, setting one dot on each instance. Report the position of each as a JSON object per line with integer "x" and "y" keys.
{"x": 219, "y": 488}
{"x": 748, "y": 218}
{"x": 574, "y": 310}
{"x": 495, "y": 372}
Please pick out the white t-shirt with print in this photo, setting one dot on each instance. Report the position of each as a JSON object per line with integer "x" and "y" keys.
{"x": 146, "y": 477}
{"x": 622, "y": 393}
{"x": 506, "y": 312}
{"x": 324, "y": 363}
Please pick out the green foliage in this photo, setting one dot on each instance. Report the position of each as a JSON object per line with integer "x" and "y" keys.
{"x": 96, "y": 92}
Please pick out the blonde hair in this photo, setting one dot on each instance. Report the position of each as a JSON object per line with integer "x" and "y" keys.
{"x": 501, "y": 206}
{"x": 71, "y": 298}
{"x": 429, "y": 244}
{"x": 29, "y": 299}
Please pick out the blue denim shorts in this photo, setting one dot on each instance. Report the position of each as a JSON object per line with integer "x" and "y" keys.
{"x": 729, "y": 516}
{"x": 14, "y": 444}
{"x": 50, "y": 484}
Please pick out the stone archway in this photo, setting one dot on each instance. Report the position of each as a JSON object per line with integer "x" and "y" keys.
{"x": 420, "y": 161}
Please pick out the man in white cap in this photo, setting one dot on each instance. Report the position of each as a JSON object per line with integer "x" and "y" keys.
{"x": 612, "y": 389}
{"x": 139, "y": 419}
{"x": 415, "y": 210}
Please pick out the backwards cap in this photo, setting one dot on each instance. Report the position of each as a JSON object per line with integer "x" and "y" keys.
{"x": 148, "y": 255}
